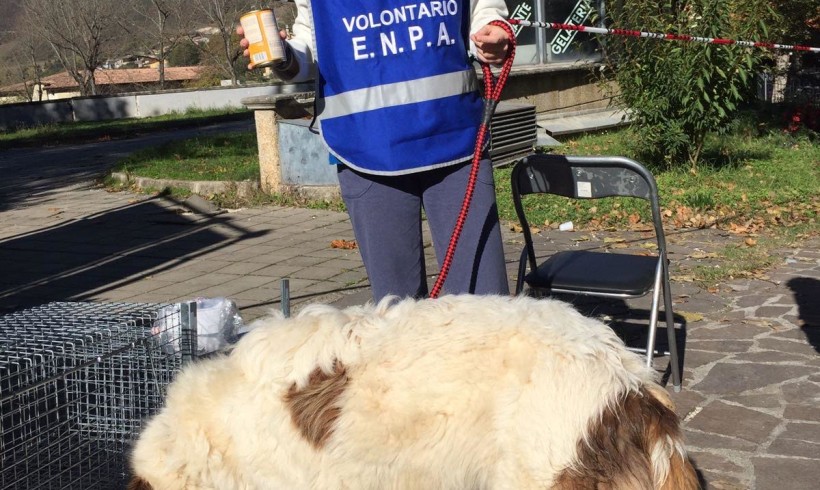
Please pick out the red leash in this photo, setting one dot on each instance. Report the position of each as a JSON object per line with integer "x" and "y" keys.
{"x": 492, "y": 94}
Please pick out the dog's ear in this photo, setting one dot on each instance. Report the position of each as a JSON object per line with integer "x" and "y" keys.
{"x": 138, "y": 483}
{"x": 661, "y": 395}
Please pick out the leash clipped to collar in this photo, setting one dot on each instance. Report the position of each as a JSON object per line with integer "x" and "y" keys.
{"x": 492, "y": 95}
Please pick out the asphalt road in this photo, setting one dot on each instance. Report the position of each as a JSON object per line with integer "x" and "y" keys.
{"x": 34, "y": 175}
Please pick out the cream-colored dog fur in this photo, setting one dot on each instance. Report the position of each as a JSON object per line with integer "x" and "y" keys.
{"x": 461, "y": 392}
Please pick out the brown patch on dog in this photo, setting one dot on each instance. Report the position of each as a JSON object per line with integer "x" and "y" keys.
{"x": 313, "y": 408}
{"x": 138, "y": 483}
{"x": 618, "y": 449}
{"x": 682, "y": 475}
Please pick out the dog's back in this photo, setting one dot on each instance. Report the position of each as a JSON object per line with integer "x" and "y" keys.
{"x": 458, "y": 392}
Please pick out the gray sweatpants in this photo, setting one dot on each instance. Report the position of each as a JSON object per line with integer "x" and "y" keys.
{"x": 386, "y": 215}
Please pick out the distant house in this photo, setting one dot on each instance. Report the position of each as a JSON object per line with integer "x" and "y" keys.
{"x": 131, "y": 61}
{"x": 126, "y": 80}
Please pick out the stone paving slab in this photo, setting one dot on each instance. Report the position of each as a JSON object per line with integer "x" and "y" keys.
{"x": 752, "y": 371}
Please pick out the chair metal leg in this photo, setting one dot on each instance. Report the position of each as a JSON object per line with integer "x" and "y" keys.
{"x": 522, "y": 268}
{"x": 653, "y": 317}
{"x": 670, "y": 330}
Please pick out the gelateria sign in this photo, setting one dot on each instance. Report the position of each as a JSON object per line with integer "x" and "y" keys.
{"x": 580, "y": 13}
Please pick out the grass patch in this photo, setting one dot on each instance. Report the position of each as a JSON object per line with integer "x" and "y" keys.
{"x": 770, "y": 182}
{"x": 232, "y": 200}
{"x": 737, "y": 261}
{"x": 231, "y": 156}
{"x": 77, "y": 132}
{"x": 744, "y": 261}
{"x": 757, "y": 184}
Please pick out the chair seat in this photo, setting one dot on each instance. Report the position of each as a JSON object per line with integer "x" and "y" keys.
{"x": 596, "y": 272}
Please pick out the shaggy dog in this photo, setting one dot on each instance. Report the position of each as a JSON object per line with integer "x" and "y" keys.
{"x": 461, "y": 392}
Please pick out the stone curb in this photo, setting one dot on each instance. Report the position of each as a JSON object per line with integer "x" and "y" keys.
{"x": 201, "y": 187}
{"x": 242, "y": 188}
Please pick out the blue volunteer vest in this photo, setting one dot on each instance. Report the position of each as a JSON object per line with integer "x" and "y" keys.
{"x": 396, "y": 92}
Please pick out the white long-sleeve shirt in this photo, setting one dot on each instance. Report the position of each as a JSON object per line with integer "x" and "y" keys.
{"x": 483, "y": 12}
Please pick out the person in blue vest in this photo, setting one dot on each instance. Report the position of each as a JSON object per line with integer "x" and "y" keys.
{"x": 398, "y": 107}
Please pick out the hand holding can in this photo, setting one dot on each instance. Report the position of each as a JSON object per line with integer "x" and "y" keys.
{"x": 261, "y": 38}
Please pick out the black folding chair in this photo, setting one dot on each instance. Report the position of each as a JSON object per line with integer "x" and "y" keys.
{"x": 592, "y": 273}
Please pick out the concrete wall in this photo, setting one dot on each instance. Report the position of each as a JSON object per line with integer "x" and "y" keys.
{"x": 163, "y": 103}
{"x": 303, "y": 156}
{"x": 561, "y": 88}
{"x": 34, "y": 113}
{"x": 552, "y": 89}
{"x": 102, "y": 108}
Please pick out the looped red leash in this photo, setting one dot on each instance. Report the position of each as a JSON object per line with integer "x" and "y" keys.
{"x": 492, "y": 94}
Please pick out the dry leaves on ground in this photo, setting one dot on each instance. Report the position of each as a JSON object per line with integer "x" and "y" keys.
{"x": 699, "y": 254}
{"x": 516, "y": 228}
{"x": 683, "y": 278}
{"x": 689, "y": 316}
{"x": 344, "y": 244}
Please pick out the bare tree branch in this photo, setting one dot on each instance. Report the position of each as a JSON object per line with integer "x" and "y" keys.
{"x": 158, "y": 26}
{"x": 78, "y": 32}
{"x": 224, "y": 15}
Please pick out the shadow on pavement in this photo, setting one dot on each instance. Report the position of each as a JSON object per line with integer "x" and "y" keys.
{"x": 807, "y": 296}
{"x": 631, "y": 324}
{"x": 108, "y": 250}
{"x": 28, "y": 184}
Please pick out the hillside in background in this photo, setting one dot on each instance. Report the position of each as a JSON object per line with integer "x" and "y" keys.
{"x": 9, "y": 12}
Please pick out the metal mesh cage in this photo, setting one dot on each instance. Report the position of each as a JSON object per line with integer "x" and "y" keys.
{"x": 76, "y": 382}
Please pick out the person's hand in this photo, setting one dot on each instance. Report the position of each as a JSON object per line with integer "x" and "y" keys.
{"x": 492, "y": 43}
{"x": 244, "y": 42}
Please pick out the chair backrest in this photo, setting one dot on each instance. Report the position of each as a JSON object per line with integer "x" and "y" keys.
{"x": 583, "y": 178}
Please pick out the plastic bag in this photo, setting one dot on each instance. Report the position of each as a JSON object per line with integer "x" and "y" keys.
{"x": 218, "y": 324}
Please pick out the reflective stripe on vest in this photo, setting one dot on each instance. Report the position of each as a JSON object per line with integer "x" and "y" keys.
{"x": 393, "y": 94}
{"x": 396, "y": 91}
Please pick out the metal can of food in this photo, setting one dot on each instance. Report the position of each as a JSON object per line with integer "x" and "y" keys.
{"x": 265, "y": 46}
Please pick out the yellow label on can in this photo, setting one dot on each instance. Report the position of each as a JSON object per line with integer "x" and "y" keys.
{"x": 265, "y": 46}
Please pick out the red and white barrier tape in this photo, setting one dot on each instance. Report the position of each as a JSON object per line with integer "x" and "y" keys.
{"x": 656, "y": 35}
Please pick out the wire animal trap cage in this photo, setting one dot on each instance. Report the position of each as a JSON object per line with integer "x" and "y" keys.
{"x": 77, "y": 380}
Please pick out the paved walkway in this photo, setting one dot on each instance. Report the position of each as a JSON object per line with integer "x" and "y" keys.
{"x": 751, "y": 398}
